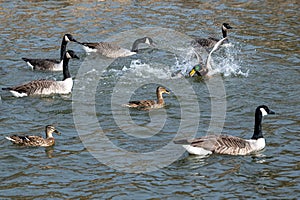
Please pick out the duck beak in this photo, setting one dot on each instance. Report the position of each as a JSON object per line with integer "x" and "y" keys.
{"x": 167, "y": 91}
{"x": 57, "y": 132}
{"x": 192, "y": 72}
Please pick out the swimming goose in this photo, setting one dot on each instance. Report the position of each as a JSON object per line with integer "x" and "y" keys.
{"x": 46, "y": 87}
{"x": 113, "y": 51}
{"x": 150, "y": 104}
{"x": 33, "y": 140}
{"x": 204, "y": 71}
{"x": 226, "y": 144}
{"x": 50, "y": 64}
{"x": 210, "y": 42}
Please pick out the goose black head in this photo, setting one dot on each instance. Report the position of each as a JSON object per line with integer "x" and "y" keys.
{"x": 264, "y": 110}
{"x": 71, "y": 54}
{"x": 68, "y": 37}
{"x": 226, "y": 26}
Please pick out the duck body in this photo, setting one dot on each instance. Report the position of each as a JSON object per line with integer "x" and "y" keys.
{"x": 150, "y": 104}
{"x": 111, "y": 50}
{"x": 227, "y": 144}
{"x": 47, "y": 87}
{"x": 33, "y": 140}
{"x": 210, "y": 42}
{"x": 50, "y": 64}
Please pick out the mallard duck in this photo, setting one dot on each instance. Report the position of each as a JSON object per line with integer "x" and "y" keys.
{"x": 150, "y": 104}
{"x": 203, "y": 70}
{"x": 33, "y": 140}
{"x": 51, "y": 64}
{"x": 226, "y": 144}
{"x": 47, "y": 87}
{"x": 111, "y": 50}
{"x": 210, "y": 42}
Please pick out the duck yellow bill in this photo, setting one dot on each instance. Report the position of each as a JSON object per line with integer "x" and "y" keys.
{"x": 192, "y": 72}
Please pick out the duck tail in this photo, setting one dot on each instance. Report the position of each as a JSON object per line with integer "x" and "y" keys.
{"x": 183, "y": 141}
{"x": 10, "y": 139}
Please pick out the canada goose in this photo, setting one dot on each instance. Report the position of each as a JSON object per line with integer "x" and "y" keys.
{"x": 113, "y": 51}
{"x": 46, "y": 87}
{"x": 210, "y": 42}
{"x": 150, "y": 104}
{"x": 226, "y": 144}
{"x": 204, "y": 71}
{"x": 33, "y": 140}
{"x": 51, "y": 64}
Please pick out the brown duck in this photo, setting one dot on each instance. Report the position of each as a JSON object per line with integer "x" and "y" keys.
{"x": 150, "y": 104}
{"x": 33, "y": 140}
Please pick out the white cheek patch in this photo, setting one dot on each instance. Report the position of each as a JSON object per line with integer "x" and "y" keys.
{"x": 147, "y": 41}
{"x": 263, "y": 112}
{"x": 68, "y": 55}
{"x": 67, "y": 39}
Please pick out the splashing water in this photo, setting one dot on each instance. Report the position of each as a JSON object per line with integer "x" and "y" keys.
{"x": 224, "y": 61}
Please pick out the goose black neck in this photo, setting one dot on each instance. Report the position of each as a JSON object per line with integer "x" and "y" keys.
{"x": 136, "y": 44}
{"x": 257, "y": 126}
{"x": 224, "y": 33}
{"x": 63, "y": 48}
{"x": 66, "y": 68}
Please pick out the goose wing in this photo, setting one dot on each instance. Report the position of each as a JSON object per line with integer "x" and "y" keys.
{"x": 32, "y": 87}
{"x": 222, "y": 144}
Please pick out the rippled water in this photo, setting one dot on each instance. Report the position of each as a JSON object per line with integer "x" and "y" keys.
{"x": 260, "y": 67}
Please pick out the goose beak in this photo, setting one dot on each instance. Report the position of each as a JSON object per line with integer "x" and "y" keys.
{"x": 229, "y": 27}
{"x": 75, "y": 56}
{"x": 192, "y": 72}
{"x": 271, "y": 112}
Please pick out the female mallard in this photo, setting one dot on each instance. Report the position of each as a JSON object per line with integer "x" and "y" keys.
{"x": 51, "y": 64}
{"x": 204, "y": 71}
{"x": 113, "y": 51}
{"x": 226, "y": 144}
{"x": 33, "y": 140}
{"x": 150, "y": 104}
{"x": 210, "y": 42}
{"x": 47, "y": 87}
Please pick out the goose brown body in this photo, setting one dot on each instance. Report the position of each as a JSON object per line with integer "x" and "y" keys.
{"x": 47, "y": 87}
{"x": 210, "y": 42}
{"x": 111, "y": 50}
{"x": 227, "y": 144}
{"x": 51, "y": 64}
